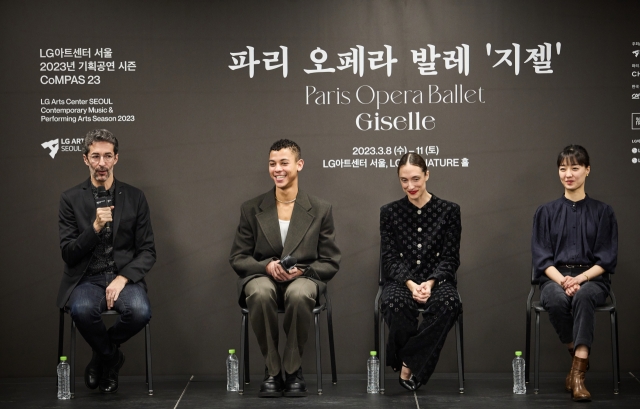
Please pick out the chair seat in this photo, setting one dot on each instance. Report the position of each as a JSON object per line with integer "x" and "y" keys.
{"x": 244, "y": 377}
{"x": 147, "y": 347}
{"x": 380, "y": 340}
{"x": 317, "y": 310}
{"x": 608, "y": 307}
{"x": 67, "y": 310}
{"x": 422, "y": 310}
{"x": 379, "y": 328}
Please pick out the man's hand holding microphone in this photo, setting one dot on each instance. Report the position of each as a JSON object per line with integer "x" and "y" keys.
{"x": 104, "y": 210}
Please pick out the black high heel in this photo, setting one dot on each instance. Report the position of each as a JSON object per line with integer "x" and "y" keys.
{"x": 410, "y": 384}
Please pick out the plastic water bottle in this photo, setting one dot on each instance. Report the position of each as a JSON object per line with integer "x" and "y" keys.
{"x": 373, "y": 373}
{"x": 232, "y": 372}
{"x": 64, "y": 375}
{"x": 519, "y": 386}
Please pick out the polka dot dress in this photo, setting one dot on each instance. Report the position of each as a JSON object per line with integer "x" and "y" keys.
{"x": 419, "y": 244}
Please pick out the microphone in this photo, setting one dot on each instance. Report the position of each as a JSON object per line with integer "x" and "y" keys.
{"x": 104, "y": 200}
{"x": 288, "y": 262}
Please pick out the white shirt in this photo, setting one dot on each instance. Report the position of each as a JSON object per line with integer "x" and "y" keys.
{"x": 284, "y": 228}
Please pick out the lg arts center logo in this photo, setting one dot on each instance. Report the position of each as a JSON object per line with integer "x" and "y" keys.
{"x": 63, "y": 145}
{"x": 53, "y": 146}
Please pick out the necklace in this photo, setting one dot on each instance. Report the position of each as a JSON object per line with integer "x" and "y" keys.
{"x": 283, "y": 202}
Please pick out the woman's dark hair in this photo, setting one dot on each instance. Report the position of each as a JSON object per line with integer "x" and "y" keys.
{"x": 412, "y": 159}
{"x": 574, "y": 155}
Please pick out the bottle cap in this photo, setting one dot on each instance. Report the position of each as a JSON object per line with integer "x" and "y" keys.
{"x": 518, "y": 353}
{"x": 373, "y": 353}
{"x": 232, "y": 351}
{"x": 63, "y": 358}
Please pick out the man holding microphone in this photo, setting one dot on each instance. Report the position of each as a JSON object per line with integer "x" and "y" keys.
{"x": 107, "y": 246}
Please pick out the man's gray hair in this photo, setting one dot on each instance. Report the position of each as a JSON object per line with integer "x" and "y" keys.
{"x": 99, "y": 135}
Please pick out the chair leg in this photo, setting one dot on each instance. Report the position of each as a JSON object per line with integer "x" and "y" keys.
{"x": 376, "y": 328}
{"x": 527, "y": 351}
{"x": 146, "y": 355}
{"x": 332, "y": 351}
{"x": 72, "y": 354}
{"x": 459, "y": 348}
{"x": 242, "y": 371}
{"x": 60, "y": 339}
{"x": 316, "y": 320}
{"x": 461, "y": 342}
{"x": 72, "y": 363}
{"x": 382, "y": 351}
{"x": 147, "y": 351}
{"x": 536, "y": 368}
{"x": 617, "y": 346}
{"x": 614, "y": 352}
{"x": 247, "y": 371}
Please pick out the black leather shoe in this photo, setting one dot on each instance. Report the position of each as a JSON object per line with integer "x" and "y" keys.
{"x": 109, "y": 381}
{"x": 294, "y": 384}
{"x": 410, "y": 384}
{"x": 93, "y": 371}
{"x": 271, "y": 386}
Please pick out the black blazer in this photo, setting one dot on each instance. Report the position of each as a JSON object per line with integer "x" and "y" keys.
{"x": 134, "y": 251}
{"x": 310, "y": 239}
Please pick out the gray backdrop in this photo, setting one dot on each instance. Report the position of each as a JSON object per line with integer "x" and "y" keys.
{"x": 199, "y": 143}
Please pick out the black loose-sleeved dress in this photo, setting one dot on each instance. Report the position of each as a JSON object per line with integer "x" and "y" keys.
{"x": 574, "y": 233}
{"x": 419, "y": 244}
{"x": 573, "y": 237}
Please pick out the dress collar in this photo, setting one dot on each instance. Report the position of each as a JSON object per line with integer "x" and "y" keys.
{"x": 409, "y": 204}
{"x": 569, "y": 202}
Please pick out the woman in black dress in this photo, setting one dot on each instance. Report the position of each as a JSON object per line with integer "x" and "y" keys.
{"x": 420, "y": 241}
{"x": 574, "y": 247}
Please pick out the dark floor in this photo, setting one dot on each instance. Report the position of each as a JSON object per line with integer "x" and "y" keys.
{"x": 481, "y": 391}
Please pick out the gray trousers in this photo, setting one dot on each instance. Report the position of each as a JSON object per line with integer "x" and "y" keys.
{"x": 298, "y": 298}
{"x": 573, "y": 317}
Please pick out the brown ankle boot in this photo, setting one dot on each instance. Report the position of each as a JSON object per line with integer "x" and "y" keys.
{"x": 578, "y": 390}
{"x": 567, "y": 382}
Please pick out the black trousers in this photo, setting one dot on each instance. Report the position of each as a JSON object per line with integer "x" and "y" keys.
{"x": 418, "y": 346}
{"x": 573, "y": 318}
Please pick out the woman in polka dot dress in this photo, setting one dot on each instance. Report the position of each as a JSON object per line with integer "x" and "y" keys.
{"x": 420, "y": 242}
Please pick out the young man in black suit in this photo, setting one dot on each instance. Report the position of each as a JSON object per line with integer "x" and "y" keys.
{"x": 107, "y": 246}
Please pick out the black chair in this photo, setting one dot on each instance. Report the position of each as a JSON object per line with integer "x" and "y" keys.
{"x": 379, "y": 335}
{"x": 243, "y": 376}
{"x": 72, "y": 357}
{"x": 535, "y": 306}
